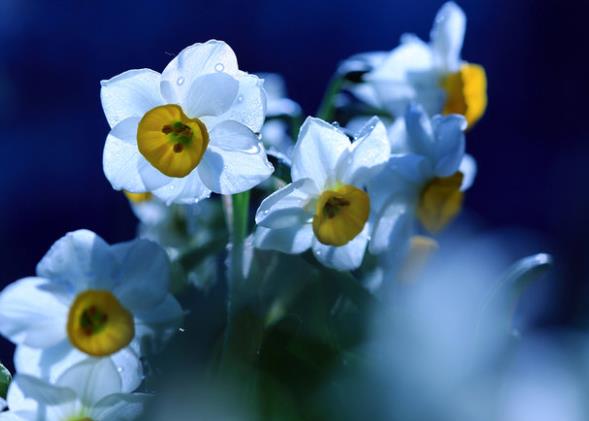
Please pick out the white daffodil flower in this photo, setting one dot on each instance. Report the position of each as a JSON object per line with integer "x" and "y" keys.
{"x": 87, "y": 391}
{"x": 89, "y": 299}
{"x": 187, "y": 131}
{"x": 275, "y": 132}
{"x": 423, "y": 180}
{"x": 433, "y": 75}
{"x": 326, "y": 206}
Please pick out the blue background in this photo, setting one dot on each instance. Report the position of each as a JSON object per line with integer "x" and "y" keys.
{"x": 531, "y": 146}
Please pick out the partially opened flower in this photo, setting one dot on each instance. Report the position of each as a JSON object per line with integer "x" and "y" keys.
{"x": 434, "y": 75}
{"x": 188, "y": 131}
{"x": 326, "y": 206}
{"x": 424, "y": 183}
{"x": 89, "y": 299}
{"x": 88, "y": 391}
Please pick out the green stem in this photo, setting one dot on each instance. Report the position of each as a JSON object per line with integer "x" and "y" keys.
{"x": 243, "y": 332}
{"x": 327, "y": 108}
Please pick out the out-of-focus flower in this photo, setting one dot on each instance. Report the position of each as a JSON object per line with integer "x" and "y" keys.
{"x": 86, "y": 391}
{"x": 188, "y": 131}
{"x": 325, "y": 207}
{"x": 434, "y": 75}
{"x": 280, "y": 111}
{"x": 89, "y": 299}
{"x": 425, "y": 182}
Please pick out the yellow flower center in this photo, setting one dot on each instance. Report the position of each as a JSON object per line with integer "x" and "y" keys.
{"x": 466, "y": 92}
{"x": 340, "y": 215}
{"x": 440, "y": 202}
{"x": 98, "y": 324}
{"x": 170, "y": 141}
{"x": 138, "y": 197}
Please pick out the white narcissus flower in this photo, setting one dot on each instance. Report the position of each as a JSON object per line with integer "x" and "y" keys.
{"x": 424, "y": 182}
{"x": 87, "y": 391}
{"x": 89, "y": 299}
{"x": 326, "y": 206}
{"x": 187, "y": 131}
{"x": 432, "y": 75}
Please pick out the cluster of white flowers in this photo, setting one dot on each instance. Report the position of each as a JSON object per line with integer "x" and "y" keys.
{"x": 202, "y": 126}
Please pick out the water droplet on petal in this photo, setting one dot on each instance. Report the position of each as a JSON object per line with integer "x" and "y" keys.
{"x": 240, "y": 98}
{"x": 180, "y": 81}
{"x": 120, "y": 369}
{"x": 219, "y": 67}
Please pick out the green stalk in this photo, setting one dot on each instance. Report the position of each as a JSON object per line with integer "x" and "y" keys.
{"x": 327, "y": 109}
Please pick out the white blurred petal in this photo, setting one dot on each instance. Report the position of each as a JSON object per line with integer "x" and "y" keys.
{"x": 447, "y": 36}
{"x": 449, "y": 144}
{"x": 92, "y": 380}
{"x": 80, "y": 258}
{"x": 30, "y": 315}
{"x": 468, "y": 168}
{"x": 144, "y": 274}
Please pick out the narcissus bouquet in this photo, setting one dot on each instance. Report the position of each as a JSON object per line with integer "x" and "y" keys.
{"x": 280, "y": 261}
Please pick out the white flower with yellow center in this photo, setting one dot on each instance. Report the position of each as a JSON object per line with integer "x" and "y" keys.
{"x": 424, "y": 183}
{"x": 187, "y": 131}
{"x": 433, "y": 74}
{"x": 89, "y": 299}
{"x": 326, "y": 206}
{"x": 87, "y": 391}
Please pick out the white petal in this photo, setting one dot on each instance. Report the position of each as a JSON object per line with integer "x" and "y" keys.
{"x": 346, "y": 257}
{"x": 186, "y": 190}
{"x": 291, "y": 240}
{"x": 367, "y": 156}
{"x": 50, "y": 363}
{"x": 130, "y": 94}
{"x": 286, "y": 207}
{"x": 249, "y": 107}
{"x": 392, "y": 228}
{"x": 120, "y": 407}
{"x": 92, "y": 379}
{"x": 144, "y": 274}
{"x": 447, "y": 36}
{"x": 121, "y": 159}
{"x": 468, "y": 168}
{"x": 277, "y": 141}
{"x": 31, "y": 315}
{"x": 42, "y": 392}
{"x": 80, "y": 258}
{"x": 235, "y": 160}
{"x": 210, "y": 95}
{"x": 449, "y": 144}
{"x": 193, "y": 62}
{"x": 318, "y": 151}
{"x": 412, "y": 56}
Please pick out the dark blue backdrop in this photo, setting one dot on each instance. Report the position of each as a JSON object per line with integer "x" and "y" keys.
{"x": 531, "y": 146}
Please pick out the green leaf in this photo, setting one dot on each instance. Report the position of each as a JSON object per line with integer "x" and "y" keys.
{"x": 5, "y": 379}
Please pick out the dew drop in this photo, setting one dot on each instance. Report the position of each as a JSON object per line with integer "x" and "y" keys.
{"x": 240, "y": 98}
{"x": 120, "y": 369}
{"x": 219, "y": 67}
{"x": 181, "y": 330}
{"x": 180, "y": 81}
